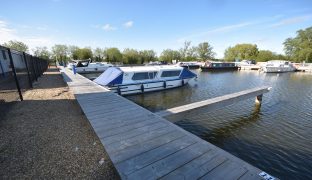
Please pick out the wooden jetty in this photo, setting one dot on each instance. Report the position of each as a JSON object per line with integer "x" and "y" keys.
{"x": 218, "y": 102}
{"x": 143, "y": 145}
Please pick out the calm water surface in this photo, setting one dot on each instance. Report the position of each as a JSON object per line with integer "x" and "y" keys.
{"x": 277, "y": 137}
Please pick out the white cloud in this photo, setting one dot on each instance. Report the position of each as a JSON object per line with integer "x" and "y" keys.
{"x": 128, "y": 24}
{"x": 293, "y": 20}
{"x": 108, "y": 27}
{"x": 8, "y": 33}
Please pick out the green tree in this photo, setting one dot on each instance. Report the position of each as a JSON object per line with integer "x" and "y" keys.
{"x": 60, "y": 52}
{"x": 98, "y": 54}
{"x": 42, "y": 52}
{"x": 185, "y": 50}
{"x": 168, "y": 55}
{"x": 113, "y": 55}
{"x": 17, "y": 45}
{"x": 299, "y": 48}
{"x": 265, "y": 55}
{"x": 191, "y": 54}
{"x": 204, "y": 51}
{"x": 71, "y": 51}
{"x": 147, "y": 56}
{"x": 131, "y": 56}
{"x": 241, "y": 51}
{"x": 83, "y": 53}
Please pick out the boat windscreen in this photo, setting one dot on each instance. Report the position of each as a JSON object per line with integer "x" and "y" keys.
{"x": 108, "y": 76}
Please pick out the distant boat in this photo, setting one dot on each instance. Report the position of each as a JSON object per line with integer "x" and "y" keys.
{"x": 276, "y": 66}
{"x": 86, "y": 66}
{"x": 190, "y": 65}
{"x": 141, "y": 79}
{"x": 224, "y": 66}
{"x": 247, "y": 65}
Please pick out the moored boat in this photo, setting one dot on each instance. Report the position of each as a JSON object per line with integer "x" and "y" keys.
{"x": 141, "y": 79}
{"x": 222, "y": 66}
{"x": 247, "y": 65}
{"x": 190, "y": 65}
{"x": 86, "y": 66}
{"x": 277, "y": 66}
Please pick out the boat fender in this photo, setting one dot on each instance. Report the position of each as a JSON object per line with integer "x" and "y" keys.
{"x": 118, "y": 90}
{"x": 182, "y": 82}
{"x": 95, "y": 69}
{"x": 165, "y": 84}
{"x": 142, "y": 88}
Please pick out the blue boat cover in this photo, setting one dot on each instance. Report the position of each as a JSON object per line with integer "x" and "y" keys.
{"x": 187, "y": 74}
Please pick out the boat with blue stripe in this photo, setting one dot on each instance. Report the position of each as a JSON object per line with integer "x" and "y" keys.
{"x": 141, "y": 79}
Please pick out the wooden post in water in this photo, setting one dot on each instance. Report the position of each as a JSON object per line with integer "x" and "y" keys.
{"x": 259, "y": 99}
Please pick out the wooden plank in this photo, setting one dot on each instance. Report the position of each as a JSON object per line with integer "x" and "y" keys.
{"x": 144, "y": 159}
{"x": 106, "y": 108}
{"x": 112, "y": 124}
{"x": 111, "y": 132}
{"x": 94, "y": 102}
{"x": 227, "y": 171}
{"x": 251, "y": 174}
{"x": 117, "y": 120}
{"x": 215, "y": 103}
{"x": 170, "y": 163}
{"x": 117, "y": 146}
{"x": 129, "y": 134}
{"x": 197, "y": 167}
{"x": 112, "y": 112}
{"x": 139, "y": 149}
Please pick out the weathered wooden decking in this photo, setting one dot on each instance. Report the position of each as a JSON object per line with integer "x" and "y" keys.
{"x": 143, "y": 145}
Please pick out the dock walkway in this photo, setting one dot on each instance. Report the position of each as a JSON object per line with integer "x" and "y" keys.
{"x": 143, "y": 145}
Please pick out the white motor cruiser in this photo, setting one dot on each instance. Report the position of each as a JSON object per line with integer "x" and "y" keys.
{"x": 140, "y": 79}
{"x": 276, "y": 66}
{"x": 86, "y": 66}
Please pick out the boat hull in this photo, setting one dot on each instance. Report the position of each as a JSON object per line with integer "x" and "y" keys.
{"x": 85, "y": 70}
{"x": 145, "y": 87}
{"x": 219, "y": 68}
{"x": 278, "y": 69}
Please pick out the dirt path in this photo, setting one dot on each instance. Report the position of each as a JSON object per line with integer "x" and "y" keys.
{"x": 47, "y": 136}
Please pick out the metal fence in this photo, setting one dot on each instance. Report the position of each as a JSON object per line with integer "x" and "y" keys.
{"x": 18, "y": 70}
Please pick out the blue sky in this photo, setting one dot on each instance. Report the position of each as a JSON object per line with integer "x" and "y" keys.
{"x": 154, "y": 24}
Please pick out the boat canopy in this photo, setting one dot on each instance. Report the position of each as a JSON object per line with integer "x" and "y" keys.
{"x": 111, "y": 76}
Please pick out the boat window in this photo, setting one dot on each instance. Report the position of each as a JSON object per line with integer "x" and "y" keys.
{"x": 144, "y": 75}
{"x": 170, "y": 73}
{"x": 152, "y": 75}
{"x": 82, "y": 64}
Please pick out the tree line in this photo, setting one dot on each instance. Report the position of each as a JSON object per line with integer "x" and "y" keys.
{"x": 296, "y": 49}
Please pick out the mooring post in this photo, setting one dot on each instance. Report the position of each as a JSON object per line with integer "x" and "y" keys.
{"x": 74, "y": 69}
{"x": 259, "y": 99}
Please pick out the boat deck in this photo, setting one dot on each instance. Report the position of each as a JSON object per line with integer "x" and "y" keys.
{"x": 143, "y": 145}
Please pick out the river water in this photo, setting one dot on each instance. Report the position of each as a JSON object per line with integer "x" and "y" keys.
{"x": 276, "y": 137}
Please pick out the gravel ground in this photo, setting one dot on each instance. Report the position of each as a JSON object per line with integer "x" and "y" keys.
{"x": 47, "y": 136}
